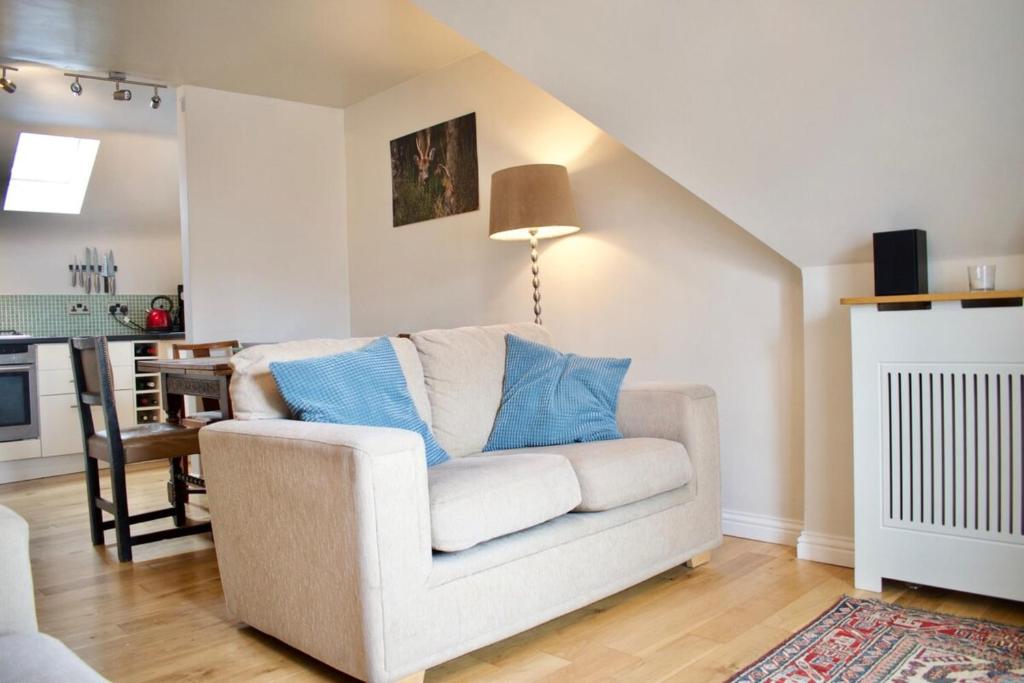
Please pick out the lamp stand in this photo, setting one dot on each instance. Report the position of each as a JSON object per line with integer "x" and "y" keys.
{"x": 535, "y": 267}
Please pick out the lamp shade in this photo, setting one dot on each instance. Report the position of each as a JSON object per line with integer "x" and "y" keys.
{"x": 535, "y": 197}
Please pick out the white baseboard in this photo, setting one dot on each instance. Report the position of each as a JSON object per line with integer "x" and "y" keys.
{"x": 761, "y": 527}
{"x": 36, "y": 468}
{"x": 825, "y": 548}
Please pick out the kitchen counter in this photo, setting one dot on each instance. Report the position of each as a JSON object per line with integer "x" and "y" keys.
{"x": 137, "y": 336}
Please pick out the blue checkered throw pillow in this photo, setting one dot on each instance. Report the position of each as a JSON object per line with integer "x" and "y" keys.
{"x": 361, "y": 387}
{"x": 552, "y": 398}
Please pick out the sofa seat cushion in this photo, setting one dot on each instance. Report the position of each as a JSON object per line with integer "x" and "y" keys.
{"x": 475, "y": 499}
{"x": 621, "y": 471}
{"x": 40, "y": 658}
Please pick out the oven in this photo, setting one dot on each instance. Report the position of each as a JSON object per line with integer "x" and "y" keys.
{"x": 19, "y": 402}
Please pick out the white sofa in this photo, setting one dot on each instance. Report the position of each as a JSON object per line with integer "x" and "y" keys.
{"x": 338, "y": 540}
{"x": 26, "y": 655}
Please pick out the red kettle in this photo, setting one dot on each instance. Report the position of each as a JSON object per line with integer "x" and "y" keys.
{"x": 159, "y": 319}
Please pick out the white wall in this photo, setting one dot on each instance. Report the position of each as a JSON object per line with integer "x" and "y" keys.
{"x": 828, "y": 409}
{"x": 131, "y": 206}
{"x": 263, "y": 206}
{"x": 656, "y": 274}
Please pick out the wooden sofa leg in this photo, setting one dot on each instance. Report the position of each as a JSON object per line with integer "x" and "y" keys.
{"x": 414, "y": 678}
{"x": 698, "y": 560}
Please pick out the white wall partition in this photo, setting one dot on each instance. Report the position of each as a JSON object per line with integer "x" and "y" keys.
{"x": 263, "y": 217}
{"x": 938, "y": 402}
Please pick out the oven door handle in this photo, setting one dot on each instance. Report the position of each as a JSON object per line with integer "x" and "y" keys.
{"x": 15, "y": 368}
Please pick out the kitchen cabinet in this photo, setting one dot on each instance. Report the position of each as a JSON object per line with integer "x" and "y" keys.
{"x": 60, "y": 431}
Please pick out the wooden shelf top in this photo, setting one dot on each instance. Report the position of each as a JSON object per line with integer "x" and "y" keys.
{"x": 940, "y": 296}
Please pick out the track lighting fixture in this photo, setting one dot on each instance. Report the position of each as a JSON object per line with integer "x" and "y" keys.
{"x": 5, "y": 83}
{"x": 121, "y": 94}
{"x": 119, "y": 79}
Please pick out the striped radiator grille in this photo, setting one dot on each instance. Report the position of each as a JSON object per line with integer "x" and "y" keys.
{"x": 952, "y": 449}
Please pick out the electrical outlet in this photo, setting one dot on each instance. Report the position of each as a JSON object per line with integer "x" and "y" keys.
{"x": 118, "y": 309}
{"x": 78, "y": 309}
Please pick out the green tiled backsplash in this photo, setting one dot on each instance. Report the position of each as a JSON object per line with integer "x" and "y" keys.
{"x": 46, "y": 315}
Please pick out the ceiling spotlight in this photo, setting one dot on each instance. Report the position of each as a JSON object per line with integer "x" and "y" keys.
{"x": 76, "y": 88}
{"x": 6, "y": 84}
{"x": 121, "y": 94}
{"x": 154, "y": 101}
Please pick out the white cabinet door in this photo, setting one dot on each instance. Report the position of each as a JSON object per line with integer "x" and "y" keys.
{"x": 124, "y": 401}
{"x": 51, "y": 382}
{"x": 53, "y": 357}
{"x": 63, "y": 381}
{"x": 60, "y": 430}
{"x": 121, "y": 353}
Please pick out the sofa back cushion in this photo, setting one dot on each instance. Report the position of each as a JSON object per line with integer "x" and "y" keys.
{"x": 254, "y": 394}
{"x": 463, "y": 369}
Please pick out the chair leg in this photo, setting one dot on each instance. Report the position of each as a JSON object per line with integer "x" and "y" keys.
{"x": 178, "y": 491}
{"x": 92, "y": 489}
{"x": 122, "y": 525}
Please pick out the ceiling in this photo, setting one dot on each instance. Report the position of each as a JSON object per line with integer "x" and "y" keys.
{"x": 327, "y": 52}
{"x": 810, "y": 124}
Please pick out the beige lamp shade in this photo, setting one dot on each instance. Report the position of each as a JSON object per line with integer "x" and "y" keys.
{"x": 535, "y": 197}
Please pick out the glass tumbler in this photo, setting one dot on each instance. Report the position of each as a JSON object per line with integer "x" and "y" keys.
{"x": 981, "y": 278}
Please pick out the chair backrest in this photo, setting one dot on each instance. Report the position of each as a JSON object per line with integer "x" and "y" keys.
{"x": 204, "y": 350}
{"x": 94, "y": 386}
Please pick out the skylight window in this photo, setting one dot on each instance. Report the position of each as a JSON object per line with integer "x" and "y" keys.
{"x": 50, "y": 173}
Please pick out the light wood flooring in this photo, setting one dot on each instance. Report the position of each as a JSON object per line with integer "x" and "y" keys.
{"x": 163, "y": 618}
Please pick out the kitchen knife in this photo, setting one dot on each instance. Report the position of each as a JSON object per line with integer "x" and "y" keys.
{"x": 96, "y": 270}
{"x": 88, "y": 270}
{"x": 113, "y": 273}
{"x": 74, "y": 273}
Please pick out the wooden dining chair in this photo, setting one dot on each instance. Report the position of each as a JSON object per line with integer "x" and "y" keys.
{"x": 94, "y": 386}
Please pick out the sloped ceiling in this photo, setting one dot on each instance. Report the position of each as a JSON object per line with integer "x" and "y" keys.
{"x": 328, "y": 52}
{"x": 810, "y": 124}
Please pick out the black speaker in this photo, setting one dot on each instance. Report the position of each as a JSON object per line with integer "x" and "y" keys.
{"x": 901, "y": 266}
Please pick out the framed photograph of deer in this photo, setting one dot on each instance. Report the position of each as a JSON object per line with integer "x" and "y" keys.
{"x": 434, "y": 172}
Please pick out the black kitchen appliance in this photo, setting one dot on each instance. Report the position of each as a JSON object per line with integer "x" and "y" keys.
{"x": 19, "y": 401}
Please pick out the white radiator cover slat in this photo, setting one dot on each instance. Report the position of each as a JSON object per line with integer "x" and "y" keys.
{"x": 953, "y": 462}
{"x": 938, "y": 401}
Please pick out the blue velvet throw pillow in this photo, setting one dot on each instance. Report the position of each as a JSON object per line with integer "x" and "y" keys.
{"x": 552, "y": 398}
{"x": 362, "y": 387}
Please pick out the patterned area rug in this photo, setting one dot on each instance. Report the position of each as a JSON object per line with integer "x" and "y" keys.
{"x": 869, "y": 641}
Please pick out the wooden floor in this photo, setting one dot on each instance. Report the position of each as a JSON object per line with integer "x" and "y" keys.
{"x": 163, "y": 617}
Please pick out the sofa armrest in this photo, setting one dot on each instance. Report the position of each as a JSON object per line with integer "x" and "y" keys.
{"x": 687, "y": 413}
{"x": 320, "y": 529}
{"x": 17, "y": 601}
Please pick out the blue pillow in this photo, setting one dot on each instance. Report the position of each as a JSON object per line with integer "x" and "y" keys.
{"x": 362, "y": 387}
{"x": 552, "y": 398}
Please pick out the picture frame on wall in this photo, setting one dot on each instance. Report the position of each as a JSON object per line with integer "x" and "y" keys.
{"x": 434, "y": 172}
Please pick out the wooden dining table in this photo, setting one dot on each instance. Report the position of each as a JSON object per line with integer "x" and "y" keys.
{"x": 199, "y": 377}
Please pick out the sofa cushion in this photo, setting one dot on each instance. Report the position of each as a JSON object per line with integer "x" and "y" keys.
{"x": 254, "y": 394}
{"x": 473, "y": 500}
{"x": 463, "y": 369}
{"x": 40, "y": 658}
{"x": 550, "y": 397}
{"x": 619, "y": 472}
{"x": 362, "y": 387}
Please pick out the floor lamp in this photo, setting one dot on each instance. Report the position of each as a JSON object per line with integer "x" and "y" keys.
{"x": 532, "y": 202}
